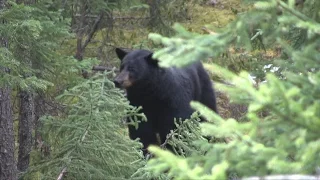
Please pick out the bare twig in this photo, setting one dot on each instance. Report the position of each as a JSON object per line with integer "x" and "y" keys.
{"x": 104, "y": 68}
{"x": 293, "y": 12}
{"x": 93, "y": 31}
{"x": 170, "y": 135}
{"x": 287, "y": 177}
{"x": 64, "y": 170}
{"x": 208, "y": 31}
{"x": 81, "y": 47}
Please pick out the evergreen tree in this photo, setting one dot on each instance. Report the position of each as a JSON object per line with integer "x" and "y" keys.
{"x": 35, "y": 60}
{"x": 89, "y": 141}
{"x": 33, "y": 35}
{"x": 7, "y": 161}
{"x": 26, "y": 116}
{"x": 285, "y": 140}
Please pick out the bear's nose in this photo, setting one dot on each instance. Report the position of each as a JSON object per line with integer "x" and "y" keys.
{"x": 117, "y": 83}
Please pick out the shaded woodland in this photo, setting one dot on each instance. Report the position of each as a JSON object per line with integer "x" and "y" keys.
{"x": 61, "y": 116}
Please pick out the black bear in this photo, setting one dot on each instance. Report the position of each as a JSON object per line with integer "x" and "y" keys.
{"x": 163, "y": 93}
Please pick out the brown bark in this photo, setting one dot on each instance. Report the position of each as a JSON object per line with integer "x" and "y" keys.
{"x": 26, "y": 119}
{"x": 7, "y": 161}
{"x": 39, "y": 111}
{"x": 26, "y": 115}
{"x": 154, "y": 12}
{"x": 8, "y": 169}
{"x": 81, "y": 43}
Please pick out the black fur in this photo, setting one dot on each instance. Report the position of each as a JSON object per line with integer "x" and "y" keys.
{"x": 163, "y": 93}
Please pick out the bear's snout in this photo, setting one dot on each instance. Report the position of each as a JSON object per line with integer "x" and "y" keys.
{"x": 117, "y": 83}
{"x": 122, "y": 80}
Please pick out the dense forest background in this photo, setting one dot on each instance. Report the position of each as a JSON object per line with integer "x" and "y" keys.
{"x": 62, "y": 118}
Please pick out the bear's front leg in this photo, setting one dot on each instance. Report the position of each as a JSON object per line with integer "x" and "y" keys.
{"x": 145, "y": 133}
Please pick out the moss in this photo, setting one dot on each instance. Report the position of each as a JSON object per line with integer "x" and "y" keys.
{"x": 135, "y": 36}
{"x": 216, "y": 17}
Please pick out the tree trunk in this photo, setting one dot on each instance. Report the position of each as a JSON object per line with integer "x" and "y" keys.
{"x": 8, "y": 169}
{"x": 7, "y": 161}
{"x": 25, "y": 129}
{"x": 39, "y": 111}
{"x": 155, "y": 15}
{"x": 26, "y": 114}
{"x": 81, "y": 43}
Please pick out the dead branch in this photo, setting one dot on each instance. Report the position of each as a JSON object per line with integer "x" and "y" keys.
{"x": 115, "y": 17}
{"x": 93, "y": 31}
{"x": 104, "y": 68}
{"x": 284, "y": 177}
{"x": 64, "y": 170}
{"x": 208, "y": 31}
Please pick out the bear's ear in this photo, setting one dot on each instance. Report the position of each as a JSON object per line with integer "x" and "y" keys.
{"x": 151, "y": 60}
{"x": 121, "y": 53}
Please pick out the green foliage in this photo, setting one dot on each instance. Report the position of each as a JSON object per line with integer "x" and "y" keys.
{"x": 285, "y": 139}
{"x": 186, "y": 136}
{"x": 193, "y": 47}
{"x": 89, "y": 139}
{"x": 34, "y": 35}
{"x": 184, "y": 140}
{"x": 73, "y": 7}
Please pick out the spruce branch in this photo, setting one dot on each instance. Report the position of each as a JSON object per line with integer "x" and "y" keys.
{"x": 293, "y": 12}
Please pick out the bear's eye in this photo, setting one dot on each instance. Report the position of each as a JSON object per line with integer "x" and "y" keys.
{"x": 131, "y": 68}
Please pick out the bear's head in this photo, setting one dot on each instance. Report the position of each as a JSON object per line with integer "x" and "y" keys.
{"x": 136, "y": 66}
